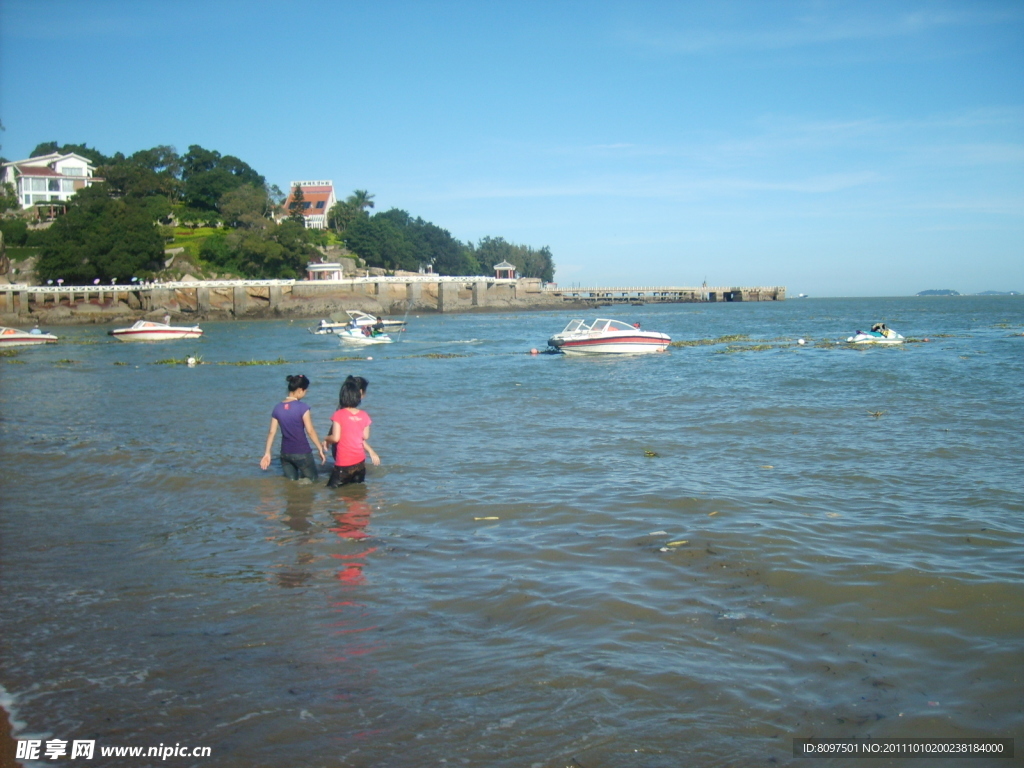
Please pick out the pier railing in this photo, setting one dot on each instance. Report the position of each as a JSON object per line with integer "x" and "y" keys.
{"x": 451, "y": 292}
{"x": 656, "y": 294}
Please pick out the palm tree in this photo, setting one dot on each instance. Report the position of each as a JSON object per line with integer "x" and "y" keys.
{"x": 360, "y": 200}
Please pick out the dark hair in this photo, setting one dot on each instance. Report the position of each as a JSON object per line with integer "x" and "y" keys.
{"x": 297, "y": 382}
{"x": 360, "y": 382}
{"x": 350, "y": 396}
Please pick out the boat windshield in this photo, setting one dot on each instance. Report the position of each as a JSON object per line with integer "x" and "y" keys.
{"x": 600, "y": 325}
{"x": 616, "y": 325}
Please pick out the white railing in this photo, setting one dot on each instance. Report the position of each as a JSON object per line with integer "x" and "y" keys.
{"x": 94, "y": 288}
{"x": 24, "y": 287}
{"x": 658, "y": 289}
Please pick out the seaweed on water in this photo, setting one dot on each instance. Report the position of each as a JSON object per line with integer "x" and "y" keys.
{"x": 707, "y": 342}
{"x": 731, "y": 349}
{"x": 279, "y": 361}
{"x": 190, "y": 361}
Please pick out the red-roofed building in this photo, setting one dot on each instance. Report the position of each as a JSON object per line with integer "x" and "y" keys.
{"x": 318, "y": 199}
{"x": 48, "y": 179}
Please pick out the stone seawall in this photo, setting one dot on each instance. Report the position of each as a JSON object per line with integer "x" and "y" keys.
{"x": 382, "y": 295}
{"x": 264, "y": 299}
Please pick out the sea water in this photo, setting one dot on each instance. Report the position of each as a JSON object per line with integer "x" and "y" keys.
{"x": 688, "y": 558}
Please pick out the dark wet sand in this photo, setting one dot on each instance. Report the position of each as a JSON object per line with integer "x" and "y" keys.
{"x": 7, "y": 744}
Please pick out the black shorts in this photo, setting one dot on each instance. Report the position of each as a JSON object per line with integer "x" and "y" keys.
{"x": 345, "y": 475}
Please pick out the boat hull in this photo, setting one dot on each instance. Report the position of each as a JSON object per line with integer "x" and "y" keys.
{"x": 129, "y": 334}
{"x": 867, "y": 338}
{"x": 357, "y": 338}
{"x": 23, "y": 339}
{"x": 853, "y": 340}
{"x": 621, "y": 345}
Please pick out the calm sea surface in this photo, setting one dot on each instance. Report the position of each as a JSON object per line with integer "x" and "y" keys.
{"x": 678, "y": 559}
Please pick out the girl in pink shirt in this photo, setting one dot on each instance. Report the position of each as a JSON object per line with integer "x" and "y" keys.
{"x": 350, "y": 429}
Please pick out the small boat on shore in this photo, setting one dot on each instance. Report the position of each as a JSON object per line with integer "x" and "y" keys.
{"x": 361, "y": 337}
{"x": 14, "y": 337}
{"x": 878, "y": 334}
{"x": 149, "y": 330}
{"x": 604, "y": 336}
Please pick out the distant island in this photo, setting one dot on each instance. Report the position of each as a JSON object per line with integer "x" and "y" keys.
{"x": 999, "y": 293}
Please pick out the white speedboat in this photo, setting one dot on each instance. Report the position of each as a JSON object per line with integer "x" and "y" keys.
{"x": 878, "y": 334}
{"x": 326, "y": 327}
{"x": 360, "y": 337}
{"x": 149, "y": 330}
{"x": 362, "y": 319}
{"x": 355, "y": 319}
{"x": 13, "y": 337}
{"x": 603, "y": 336}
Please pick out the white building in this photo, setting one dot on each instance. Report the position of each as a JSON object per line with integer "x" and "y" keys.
{"x": 318, "y": 199}
{"x": 48, "y": 179}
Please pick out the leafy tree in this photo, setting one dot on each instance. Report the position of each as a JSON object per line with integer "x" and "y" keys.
{"x": 275, "y": 198}
{"x": 9, "y": 198}
{"x": 215, "y": 250}
{"x": 15, "y": 231}
{"x": 208, "y": 176}
{"x": 528, "y": 261}
{"x": 195, "y": 217}
{"x": 94, "y": 156}
{"x": 433, "y": 245}
{"x": 340, "y": 216}
{"x": 247, "y": 206}
{"x": 147, "y": 172}
{"x": 101, "y": 237}
{"x": 162, "y": 159}
{"x": 344, "y": 212}
{"x": 130, "y": 180}
{"x": 380, "y": 242}
{"x": 297, "y": 206}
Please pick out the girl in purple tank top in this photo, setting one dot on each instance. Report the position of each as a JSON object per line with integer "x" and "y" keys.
{"x": 292, "y": 415}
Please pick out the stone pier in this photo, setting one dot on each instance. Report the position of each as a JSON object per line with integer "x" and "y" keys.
{"x": 256, "y": 297}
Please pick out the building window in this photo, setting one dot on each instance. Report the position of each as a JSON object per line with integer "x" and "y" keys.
{"x": 53, "y": 185}
{"x": 67, "y": 185}
{"x": 37, "y": 185}
{"x": 70, "y": 171}
{"x": 320, "y": 204}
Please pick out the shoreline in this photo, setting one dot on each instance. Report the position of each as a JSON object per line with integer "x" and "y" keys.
{"x": 8, "y": 744}
{"x": 91, "y": 314}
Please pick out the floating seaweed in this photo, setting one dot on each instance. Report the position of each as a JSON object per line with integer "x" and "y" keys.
{"x": 708, "y": 342}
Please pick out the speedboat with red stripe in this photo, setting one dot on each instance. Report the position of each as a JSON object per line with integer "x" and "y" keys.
{"x": 607, "y": 337}
{"x": 149, "y": 330}
{"x": 13, "y": 337}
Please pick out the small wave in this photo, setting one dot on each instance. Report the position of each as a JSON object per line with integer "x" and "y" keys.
{"x": 7, "y": 704}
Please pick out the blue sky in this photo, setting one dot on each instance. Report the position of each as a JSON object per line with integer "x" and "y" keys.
{"x": 837, "y": 148}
